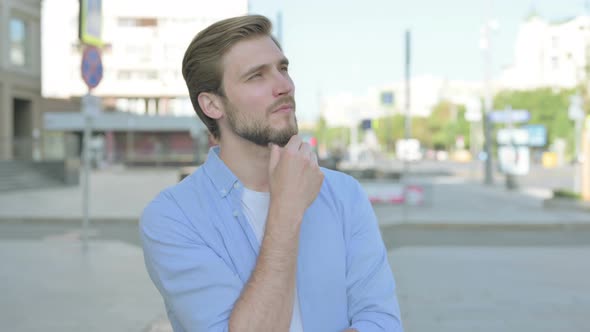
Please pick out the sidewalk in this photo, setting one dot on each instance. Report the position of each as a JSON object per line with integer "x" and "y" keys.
{"x": 115, "y": 195}
{"x": 121, "y": 194}
{"x": 454, "y": 202}
{"x": 53, "y": 285}
{"x": 489, "y": 289}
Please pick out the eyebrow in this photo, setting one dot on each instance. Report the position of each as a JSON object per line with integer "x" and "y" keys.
{"x": 283, "y": 61}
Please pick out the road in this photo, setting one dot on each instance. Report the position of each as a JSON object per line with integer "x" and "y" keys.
{"x": 394, "y": 236}
{"x": 474, "y": 258}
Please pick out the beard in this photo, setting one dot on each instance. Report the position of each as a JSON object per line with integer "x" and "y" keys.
{"x": 258, "y": 131}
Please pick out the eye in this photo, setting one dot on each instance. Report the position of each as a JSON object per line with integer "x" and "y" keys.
{"x": 256, "y": 75}
{"x": 285, "y": 69}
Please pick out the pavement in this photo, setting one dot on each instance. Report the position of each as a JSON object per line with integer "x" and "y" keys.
{"x": 120, "y": 194}
{"x": 489, "y": 289}
{"x": 53, "y": 284}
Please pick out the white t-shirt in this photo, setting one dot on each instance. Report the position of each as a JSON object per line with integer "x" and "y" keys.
{"x": 255, "y": 206}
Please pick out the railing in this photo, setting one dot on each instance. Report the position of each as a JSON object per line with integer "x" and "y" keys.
{"x": 19, "y": 148}
{"x": 146, "y": 149}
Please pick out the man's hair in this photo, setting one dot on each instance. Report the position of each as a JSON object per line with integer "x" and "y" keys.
{"x": 202, "y": 68}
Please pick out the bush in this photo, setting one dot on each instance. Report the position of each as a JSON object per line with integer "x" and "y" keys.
{"x": 564, "y": 193}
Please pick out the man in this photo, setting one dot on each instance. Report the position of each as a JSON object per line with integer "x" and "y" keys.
{"x": 260, "y": 238}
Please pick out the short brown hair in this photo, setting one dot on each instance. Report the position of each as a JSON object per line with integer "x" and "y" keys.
{"x": 201, "y": 66}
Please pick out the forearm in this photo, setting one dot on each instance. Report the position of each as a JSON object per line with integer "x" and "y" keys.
{"x": 266, "y": 303}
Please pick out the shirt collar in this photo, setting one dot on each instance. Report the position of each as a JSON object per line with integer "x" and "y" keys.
{"x": 222, "y": 177}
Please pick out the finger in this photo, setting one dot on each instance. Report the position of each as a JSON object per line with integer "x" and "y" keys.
{"x": 305, "y": 150}
{"x": 314, "y": 158}
{"x": 294, "y": 143}
{"x": 275, "y": 154}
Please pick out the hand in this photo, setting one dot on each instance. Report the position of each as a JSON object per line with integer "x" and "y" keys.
{"x": 295, "y": 177}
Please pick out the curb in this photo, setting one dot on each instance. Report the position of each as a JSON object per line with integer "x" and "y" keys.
{"x": 419, "y": 225}
{"x": 491, "y": 226}
{"x": 68, "y": 220}
{"x": 564, "y": 203}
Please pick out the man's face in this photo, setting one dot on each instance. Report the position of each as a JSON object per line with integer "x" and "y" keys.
{"x": 259, "y": 104}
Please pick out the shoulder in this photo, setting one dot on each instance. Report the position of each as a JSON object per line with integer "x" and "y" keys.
{"x": 340, "y": 184}
{"x": 178, "y": 203}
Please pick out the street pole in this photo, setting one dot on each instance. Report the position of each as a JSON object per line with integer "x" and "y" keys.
{"x": 408, "y": 122}
{"x": 577, "y": 157}
{"x": 488, "y": 102}
{"x": 280, "y": 28}
{"x": 86, "y": 166}
{"x": 510, "y": 169}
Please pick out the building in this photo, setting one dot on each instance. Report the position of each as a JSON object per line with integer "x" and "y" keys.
{"x": 20, "y": 79}
{"x": 347, "y": 109}
{"x": 144, "y": 43}
{"x": 549, "y": 54}
{"x": 143, "y": 46}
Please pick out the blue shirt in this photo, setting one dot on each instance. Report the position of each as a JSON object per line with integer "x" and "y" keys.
{"x": 200, "y": 250}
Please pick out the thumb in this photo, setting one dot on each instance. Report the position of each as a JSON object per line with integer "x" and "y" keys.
{"x": 275, "y": 155}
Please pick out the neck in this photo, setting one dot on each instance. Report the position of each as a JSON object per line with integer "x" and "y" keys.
{"x": 248, "y": 161}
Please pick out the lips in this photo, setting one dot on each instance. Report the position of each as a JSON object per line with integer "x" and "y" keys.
{"x": 285, "y": 108}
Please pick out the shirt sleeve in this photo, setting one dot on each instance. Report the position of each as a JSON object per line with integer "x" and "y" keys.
{"x": 197, "y": 285}
{"x": 372, "y": 301}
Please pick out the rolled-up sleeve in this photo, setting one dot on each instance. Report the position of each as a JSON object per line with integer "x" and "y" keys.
{"x": 372, "y": 300}
{"x": 197, "y": 285}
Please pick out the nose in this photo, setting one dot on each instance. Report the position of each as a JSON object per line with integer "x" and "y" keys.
{"x": 283, "y": 84}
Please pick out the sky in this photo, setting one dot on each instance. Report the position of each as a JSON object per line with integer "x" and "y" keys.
{"x": 337, "y": 46}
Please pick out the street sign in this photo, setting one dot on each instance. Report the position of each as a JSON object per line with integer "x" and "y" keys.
{"x": 516, "y": 136}
{"x": 509, "y": 116}
{"x": 91, "y": 67}
{"x": 90, "y": 22}
{"x": 537, "y": 135}
{"x": 473, "y": 113}
{"x": 387, "y": 98}
{"x": 514, "y": 160}
{"x": 575, "y": 110}
{"x": 91, "y": 105}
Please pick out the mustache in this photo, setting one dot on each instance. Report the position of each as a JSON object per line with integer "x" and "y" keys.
{"x": 282, "y": 101}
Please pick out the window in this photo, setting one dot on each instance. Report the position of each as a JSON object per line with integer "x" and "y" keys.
{"x": 555, "y": 63}
{"x": 19, "y": 42}
{"x": 555, "y": 42}
{"x": 125, "y": 75}
{"x": 138, "y": 22}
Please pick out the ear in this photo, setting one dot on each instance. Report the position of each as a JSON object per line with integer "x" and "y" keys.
{"x": 211, "y": 105}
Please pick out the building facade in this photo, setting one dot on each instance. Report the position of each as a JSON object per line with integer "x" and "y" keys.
{"x": 347, "y": 109}
{"x": 549, "y": 54}
{"x": 20, "y": 79}
{"x": 144, "y": 43}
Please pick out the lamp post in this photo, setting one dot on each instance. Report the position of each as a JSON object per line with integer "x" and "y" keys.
{"x": 486, "y": 46}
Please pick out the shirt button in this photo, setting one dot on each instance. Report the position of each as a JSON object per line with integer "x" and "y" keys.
{"x": 236, "y": 213}
{"x": 223, "y": 192}
{"x": 236, "y": 185}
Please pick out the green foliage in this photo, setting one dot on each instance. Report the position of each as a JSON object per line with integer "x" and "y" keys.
{"x": 447, "y": 121}
{"x": 444, "y": 125}
{"x": 548, "y": 107}
{"x": 564, "y": 193}
{"x": 332, "y": 137}
{"x": 389, "y": 129}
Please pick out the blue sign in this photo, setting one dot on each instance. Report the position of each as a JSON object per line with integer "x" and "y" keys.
{"x": 366, "y": 124}
{"x": 91, "y": 67}
{"x": 537, "y": 135}
{"x": 387, "y": 98}
{"x": 509, "y": 116}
